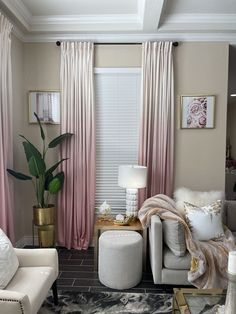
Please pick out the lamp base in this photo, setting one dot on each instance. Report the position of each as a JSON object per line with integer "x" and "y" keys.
{"x": 230, "y": 302}
{"x": 131, "y": 203}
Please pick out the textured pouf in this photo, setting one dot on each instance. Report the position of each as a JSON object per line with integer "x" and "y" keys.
{"x": 120, "y": 259}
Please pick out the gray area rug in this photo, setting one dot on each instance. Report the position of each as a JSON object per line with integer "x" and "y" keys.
{"x": 108, "y": 303}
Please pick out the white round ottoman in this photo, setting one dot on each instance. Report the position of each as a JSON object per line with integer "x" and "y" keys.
{"x": 120, "y": 259}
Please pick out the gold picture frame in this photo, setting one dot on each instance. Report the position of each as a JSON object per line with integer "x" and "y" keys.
{"x": 46, "y": 103}
{"x": 197, "y": 112}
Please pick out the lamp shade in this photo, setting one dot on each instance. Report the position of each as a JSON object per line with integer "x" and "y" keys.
{"x": 132, "y": 176}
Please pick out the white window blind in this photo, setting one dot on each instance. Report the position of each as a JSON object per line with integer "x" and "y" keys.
{"x": 117, "y": 99}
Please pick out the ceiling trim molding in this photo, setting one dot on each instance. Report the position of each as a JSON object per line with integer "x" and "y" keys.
{"x": 85, "y": 19}
{"x": 206, "y": 21}
{"x": 89, "y": 23}
{"x": 71, "y": 23}
{"x": 19, "y": 10}
{"x": 196, "y": 18}
{"x": 121, "y": 28}
{"x": 134, "y": 37}
{"x": 18, "y": 33}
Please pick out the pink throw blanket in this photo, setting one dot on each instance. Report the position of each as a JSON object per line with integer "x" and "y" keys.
{"x": 209, "y": 259}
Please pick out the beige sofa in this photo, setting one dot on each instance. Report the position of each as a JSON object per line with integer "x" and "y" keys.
{"x": 168, "y": 268}
{"x": 37, "y": 273}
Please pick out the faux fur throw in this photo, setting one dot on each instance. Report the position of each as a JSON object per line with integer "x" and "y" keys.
{"x": 209, "y": 259}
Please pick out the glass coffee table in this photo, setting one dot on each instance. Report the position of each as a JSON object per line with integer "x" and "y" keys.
{"x": 198, "y": 301}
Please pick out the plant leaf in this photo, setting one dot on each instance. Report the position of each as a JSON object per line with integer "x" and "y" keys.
{"x": 48, "y": 179}
{"x": 33, "y": 169}
{"x": 61, "y": 177}
{"x": 27, "y": 151}
{"x": 56, "y": 183}
{"x": 58, "y": 140}
{"x": 41, "y": 129}
{"x": 30, "y": 149}
{"x": 19, "y": 175}
{"x": 54, "y": 167}
{"x": 35, "y": 161}
{"x": 54, "y": 186}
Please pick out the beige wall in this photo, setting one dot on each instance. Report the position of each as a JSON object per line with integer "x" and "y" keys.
{"x": 35, "y": 67}
{"x": 118, "y": 56}
{"x": 199, "y": 68}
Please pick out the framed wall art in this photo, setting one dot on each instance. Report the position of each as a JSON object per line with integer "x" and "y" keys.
{"x": 47, "y": 106}
{"x": 197, "y": 112}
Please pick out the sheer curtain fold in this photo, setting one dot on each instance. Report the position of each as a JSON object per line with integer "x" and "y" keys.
{"x": 156, "y": 145}
{"x": 77, "y": 200}
{"x": 6, "y": 141}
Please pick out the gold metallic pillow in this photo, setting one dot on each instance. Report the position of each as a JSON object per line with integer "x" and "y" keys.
{"x": 205, "y": 222}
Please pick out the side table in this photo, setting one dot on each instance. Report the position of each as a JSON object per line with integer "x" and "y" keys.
{"x": 109, "y": 225}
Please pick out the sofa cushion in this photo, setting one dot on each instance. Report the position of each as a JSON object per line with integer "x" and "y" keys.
{"x": 172, "y": 261}
{"x": 204, "y": 222}
{"x": 198, "y": 198}
{"x": 174, "y": 236}
{"x": 8, "y": 260}
{"x": 34, "y": 282}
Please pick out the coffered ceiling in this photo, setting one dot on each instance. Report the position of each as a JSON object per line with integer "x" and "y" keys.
{"x": 122, "y": 20}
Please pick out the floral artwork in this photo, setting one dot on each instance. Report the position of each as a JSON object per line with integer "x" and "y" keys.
{"x": 197, "y": 112}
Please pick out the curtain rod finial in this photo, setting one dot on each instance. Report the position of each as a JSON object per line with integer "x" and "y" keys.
{"x": 58, "y": 43}
{"x": 175, "y": 44}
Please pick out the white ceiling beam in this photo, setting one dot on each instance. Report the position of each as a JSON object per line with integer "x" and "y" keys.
{"x": 152, "y": 12}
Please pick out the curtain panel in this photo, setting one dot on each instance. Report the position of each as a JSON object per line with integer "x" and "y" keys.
{"x": 77, "y": 200}
{"x": 6, "y": 140}
{"x": 156, "y": 144}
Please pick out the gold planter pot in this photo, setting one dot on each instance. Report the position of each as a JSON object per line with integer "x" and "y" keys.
{"x": 44, "y": 216}
{"x": 46, "y": 236}
{"x": 44, "y": 219}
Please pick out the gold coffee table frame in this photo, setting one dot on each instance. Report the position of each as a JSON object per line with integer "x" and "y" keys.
{"x": 180, "y": 305}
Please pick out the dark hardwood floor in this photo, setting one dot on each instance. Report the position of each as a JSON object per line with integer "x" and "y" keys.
{"x": 76, "y": 272}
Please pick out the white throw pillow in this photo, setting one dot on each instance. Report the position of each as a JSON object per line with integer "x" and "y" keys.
{"x": 204, "y": 222}
{"x": 197, "y": 198}
{"x": 8, "y": 260}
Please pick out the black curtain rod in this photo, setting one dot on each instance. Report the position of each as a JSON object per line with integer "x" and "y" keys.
{"x": 175, "y": 44}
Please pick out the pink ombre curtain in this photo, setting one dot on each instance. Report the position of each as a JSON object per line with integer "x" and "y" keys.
{"x": 156, "y": 146}
{"x": 77, "y": 200}
{"x": 6, "y": 142}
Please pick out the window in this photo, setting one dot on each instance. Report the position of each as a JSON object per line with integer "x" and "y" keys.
{"x": 117, "y": 99}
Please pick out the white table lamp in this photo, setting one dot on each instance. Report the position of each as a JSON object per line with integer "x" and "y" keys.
{"x": 132, "y": 178}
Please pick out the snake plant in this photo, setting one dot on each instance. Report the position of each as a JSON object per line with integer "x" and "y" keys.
{"x": 44, "y": 181}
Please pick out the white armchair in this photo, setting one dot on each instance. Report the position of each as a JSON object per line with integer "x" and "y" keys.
{"x": 37, "y": 273}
